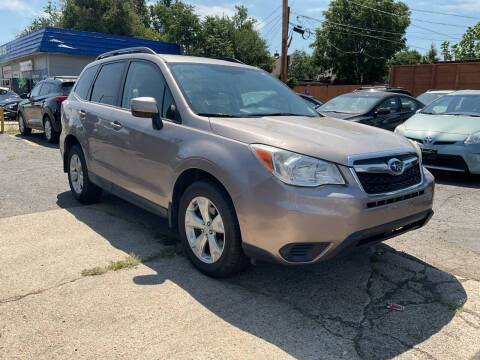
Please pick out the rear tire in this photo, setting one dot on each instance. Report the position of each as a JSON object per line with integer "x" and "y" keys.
{"x": 214, "y": 245}
{"x": 50, "y": 134}
{"x": 82, "y": 188}
{"x": 22, "y": 127}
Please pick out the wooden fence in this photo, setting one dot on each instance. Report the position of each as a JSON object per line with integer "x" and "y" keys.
{"x": 441, "y": 76}
{"x": 326, "y": 92}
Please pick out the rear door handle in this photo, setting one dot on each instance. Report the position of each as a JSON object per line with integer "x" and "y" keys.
{"x": 116, "y": 125}
{"x": 83, "y": 114}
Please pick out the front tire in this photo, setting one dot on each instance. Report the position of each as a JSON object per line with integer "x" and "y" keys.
{"x": 50, "y": 134}
{"x": 22, "y": 127}
{"x": 209, "y": 230}
{"x": 82, "y": 188}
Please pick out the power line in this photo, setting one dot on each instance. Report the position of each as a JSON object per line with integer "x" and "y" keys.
{"x": 397, "y": 15}
{"x": 447, "y": 14}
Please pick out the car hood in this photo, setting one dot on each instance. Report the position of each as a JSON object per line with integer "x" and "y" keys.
{"x": 325, "y": 138}
{"x": 10, "y": 101}
{"x": 446, "y": 124}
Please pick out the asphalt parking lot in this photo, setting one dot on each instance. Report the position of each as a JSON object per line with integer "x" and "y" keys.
{"x": 52, "y": 306}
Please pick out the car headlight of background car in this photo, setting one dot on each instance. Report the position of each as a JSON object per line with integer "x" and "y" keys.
{"x": 473, "y": 139}
{"x": 296, "y": 169}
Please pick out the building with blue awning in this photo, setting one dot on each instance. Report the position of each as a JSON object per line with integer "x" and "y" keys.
{"x": 55, "y": 52}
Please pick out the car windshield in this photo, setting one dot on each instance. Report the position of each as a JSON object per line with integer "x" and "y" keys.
{"x": 461, "y": 104}
{"x": 428, "y": 98}
{"x": 349, "y": 104}
{"x": 233, "y": 91}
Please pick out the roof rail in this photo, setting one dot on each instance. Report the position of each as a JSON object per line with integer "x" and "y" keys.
{"x": 131, "y": 50}
{"x": 228, "y": 59}
{"x": 65, "y": 77}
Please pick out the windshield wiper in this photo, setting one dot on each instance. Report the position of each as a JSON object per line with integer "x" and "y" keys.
{"x": 462, "y": 114}
{"x": 218, "y": 115}
{"x": 277, "y": 114}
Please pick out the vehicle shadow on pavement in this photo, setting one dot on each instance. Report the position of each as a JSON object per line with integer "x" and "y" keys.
{"x": 37, "y": 138}
{"x": 456, "y": 179}
{"x": 335, "y": 309}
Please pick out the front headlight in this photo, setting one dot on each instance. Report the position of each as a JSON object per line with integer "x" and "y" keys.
{"x": 473, "y": 139}
{"x": 296, "y": 169}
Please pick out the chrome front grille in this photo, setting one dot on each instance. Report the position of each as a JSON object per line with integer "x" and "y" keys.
{"x": 388, "y": 174}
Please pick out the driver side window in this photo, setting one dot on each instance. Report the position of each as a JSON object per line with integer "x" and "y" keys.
{"x": 390, "y": 104}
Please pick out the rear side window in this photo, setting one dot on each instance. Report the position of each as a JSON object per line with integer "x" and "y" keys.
{"x": 408, "y": 104}
{"x": 46, "y": 89}
{"x": 106, "y": 87}
{"x": 143, "y": 79}
{"x": 83, "y": 84}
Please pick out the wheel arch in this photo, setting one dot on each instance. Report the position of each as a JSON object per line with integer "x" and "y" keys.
{"x": 186, "y": 178}
{"x": 69, "y": 142}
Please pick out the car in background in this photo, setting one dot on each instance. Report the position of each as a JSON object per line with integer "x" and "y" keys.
{"x": 448, "y": 132}
{"x": 41, "y": 110}
{"x": 9, "y": 102}
{"x": 397, "y": 90}
{"x": 432, "y": 95}
{"x": 312, "y": 101}
{"x": 385, "y": 110}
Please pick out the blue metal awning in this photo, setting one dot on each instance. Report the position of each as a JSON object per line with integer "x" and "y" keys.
{"x": 54, "y": 40}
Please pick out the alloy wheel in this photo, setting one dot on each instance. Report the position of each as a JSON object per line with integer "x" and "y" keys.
{"x": 76, "y": 173}
{"x": 48, "y": 130}
{"x": 21, "y": 124}
{"x": 204, "y": 229}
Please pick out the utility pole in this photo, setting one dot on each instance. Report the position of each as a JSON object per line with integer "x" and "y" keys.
{"x": 285, "y": 21}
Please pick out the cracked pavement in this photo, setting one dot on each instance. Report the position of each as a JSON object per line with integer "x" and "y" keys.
{"x": 164, "y": 308}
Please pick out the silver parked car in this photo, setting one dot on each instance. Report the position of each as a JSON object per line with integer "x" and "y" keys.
{"x": 240, "y": 164}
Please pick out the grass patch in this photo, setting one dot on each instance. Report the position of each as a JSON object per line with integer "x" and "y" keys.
{"x": 11, "y": 131}
{"x": 11, "y": 157}
{"x": 130, "y": 261}
{"x": 450, "y": 307}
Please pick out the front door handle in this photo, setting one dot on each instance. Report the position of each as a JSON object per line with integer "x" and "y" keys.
{"x": 83, "y": 114}
{"x": 116, "y": 125}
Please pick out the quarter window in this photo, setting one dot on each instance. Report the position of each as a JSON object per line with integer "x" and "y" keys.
{"x": 83, "y": 84}
{"x": 166, "y": 108}
{"x": 143, "y": 79}
{"x": 105, "y": 89}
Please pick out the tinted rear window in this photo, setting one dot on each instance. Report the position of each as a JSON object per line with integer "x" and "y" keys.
{"x": 106, "y": 87}
{"x": 66, "y": 87}
{"x": 83, "y": 84}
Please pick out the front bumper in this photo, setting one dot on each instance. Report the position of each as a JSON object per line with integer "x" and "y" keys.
{"x": 457, "y": 157}
{"x": 294, "y": 225}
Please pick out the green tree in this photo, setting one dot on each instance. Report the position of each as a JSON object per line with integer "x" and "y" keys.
{"x": 234, "y": 37}
{"x": 302, "y": 66}
{"x": 431, "y": 56}
{"x": 407, "y": 57}
{"x": 176, "y": 22}
{"x": 356, "y": 55}
{"x": 469, "y": 47}
{"x": 116, "y": 17}
{"x": 52, "y": 17}
{"x": 446, "y": 53}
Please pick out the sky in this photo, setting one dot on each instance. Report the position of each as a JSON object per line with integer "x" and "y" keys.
{"x": 426, "y": 28}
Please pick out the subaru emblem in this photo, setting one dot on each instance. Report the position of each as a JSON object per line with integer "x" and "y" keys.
{"x": 428, "y": 140}
{"x": 396, "y": 166}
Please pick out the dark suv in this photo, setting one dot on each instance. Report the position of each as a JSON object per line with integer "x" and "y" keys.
{"x": 41, "y": 109}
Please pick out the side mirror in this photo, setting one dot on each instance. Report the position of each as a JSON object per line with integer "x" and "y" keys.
{"x": 25, "y": 96}
{"x": 146, "y": 107}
